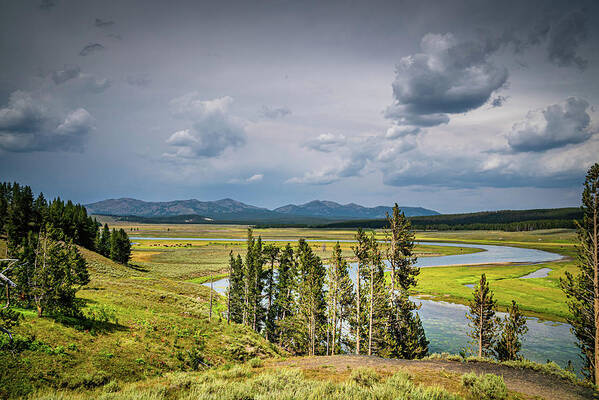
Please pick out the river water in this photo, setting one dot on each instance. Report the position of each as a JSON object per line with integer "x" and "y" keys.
{"x": 446, "y": 325}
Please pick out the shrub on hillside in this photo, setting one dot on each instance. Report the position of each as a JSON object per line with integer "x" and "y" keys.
{"x": 485, "y": 387}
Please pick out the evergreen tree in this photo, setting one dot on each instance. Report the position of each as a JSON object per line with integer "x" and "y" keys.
{"x": 104, "y": 242}
{"x": 312, "y": 304}
{"x": 378, "y": 299}
{"x": 513, "y": 327}
{"x": 582, "y": 290}
{"x": 19, "y": 216}
{"x": 59, "y": 271}
{"x": 405, "y": 337}
{"x": 284, "y": 300}
{"x": 483, "y": 323}
{"x": 120, "y": 246}
{"x": 254, "y": 260}
{"x": 236, "y": 289}
{"x": 338, "y": 283}
{"x": 271, "y": 253}
{"x": 361, "y": 253}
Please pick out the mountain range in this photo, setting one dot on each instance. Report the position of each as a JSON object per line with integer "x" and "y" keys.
{"x": 232, "y": 210}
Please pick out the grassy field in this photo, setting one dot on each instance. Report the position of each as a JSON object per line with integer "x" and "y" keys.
{"x": 148, "y": 318}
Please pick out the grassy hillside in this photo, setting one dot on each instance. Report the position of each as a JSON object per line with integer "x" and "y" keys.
{"x": 138, "y": 325}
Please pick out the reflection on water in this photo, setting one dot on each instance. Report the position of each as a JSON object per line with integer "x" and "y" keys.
{"x": 446, "y": 327}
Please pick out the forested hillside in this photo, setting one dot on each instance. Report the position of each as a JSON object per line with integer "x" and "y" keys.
{"x": 507, "y": 220}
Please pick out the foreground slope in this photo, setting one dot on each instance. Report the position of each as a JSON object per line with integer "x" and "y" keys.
{"x": 137, "y": 325}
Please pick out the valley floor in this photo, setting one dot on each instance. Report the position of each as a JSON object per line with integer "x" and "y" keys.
{"x": 149, "y": 320}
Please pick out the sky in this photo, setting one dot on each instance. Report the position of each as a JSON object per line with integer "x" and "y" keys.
{"x": 457, "y": 106}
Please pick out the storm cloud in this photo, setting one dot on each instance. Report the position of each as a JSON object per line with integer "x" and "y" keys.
{"x": 27, "y": 125}
{"x": 449, "y": 76}
{"x": 554, "y": 126}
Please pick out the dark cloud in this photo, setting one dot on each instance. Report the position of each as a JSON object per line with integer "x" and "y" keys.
{"x": 564, "y": 39}
{"x": 213, "y": 130}
{"x": 84, "y": 81}
{"x": 63, "y": 75}
{"x": 498, "y": 101}
{"x": 27, "y": 125}
{"x": 275, "y": 113}
{"x": 115, "y": 36}
{"x": 448, "y": 77}
{"x": 427, "y": 174}
{"x": 102, "y": 23}
{"x": 139, "y": 80}
{"x": 91, "y": 48}
{"x": 555, "y": 126}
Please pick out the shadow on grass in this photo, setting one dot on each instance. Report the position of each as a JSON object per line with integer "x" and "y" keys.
{"x": 137, "y": 267}
{"x": 82, "y": 323}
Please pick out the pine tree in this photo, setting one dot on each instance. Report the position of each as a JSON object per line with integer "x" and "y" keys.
{"x": 337, "y": 277}
{"x": 284, "y": 298}
{"x": 312, "y": 304}
{"x": 103, "y": 247}
{"x": 59, "y": 271}
{"x": 120, "y": 246}
{"x": 271, "y": 253}
{"x": 483, "y": 323}
{"x": 235, "y": 293}
{"x": 378, "y": 299}
{"x": 582, "y": 290}
{"x": 361, "y": 253}
{"x": 405, "y": 337}
{"x": 254, "y": 260}
{"x": 513, "y": 327}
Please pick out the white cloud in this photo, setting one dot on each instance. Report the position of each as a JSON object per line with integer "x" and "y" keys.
{"x": 213, "y": 130}
{"x": 554, "y": 126}
{"x": 326, "y": 142}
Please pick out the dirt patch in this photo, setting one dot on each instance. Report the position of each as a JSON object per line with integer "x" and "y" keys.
{"x": 524, "y": 381}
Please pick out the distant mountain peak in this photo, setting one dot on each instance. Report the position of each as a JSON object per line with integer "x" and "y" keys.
{"x": 228, "y": 209}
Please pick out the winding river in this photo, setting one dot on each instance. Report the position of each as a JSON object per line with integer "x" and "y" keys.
{"x": 446, "y": 324}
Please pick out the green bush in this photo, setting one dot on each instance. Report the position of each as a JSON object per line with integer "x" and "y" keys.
{"x": 111, "y": 387}
{"x": 255, "y": 363}
{"x": 485, "y": 387}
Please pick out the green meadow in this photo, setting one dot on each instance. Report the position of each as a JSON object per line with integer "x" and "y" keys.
{"x": 151, "y": 317}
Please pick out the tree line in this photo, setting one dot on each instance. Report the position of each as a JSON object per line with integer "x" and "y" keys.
{"x": 505, "y": 220}
{"x": 42, "y": 267}
{"x": 296, "y": 301}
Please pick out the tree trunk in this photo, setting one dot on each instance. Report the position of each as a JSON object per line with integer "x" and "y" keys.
{"x": 211, "y": 290}
{"x": 370, "y": 311}
{"x": 334, "y": 329}
{"x": 596, "y": 290}
{"x": 229, "y": 296}
{"x": 340, "y": 326}
{"x": 480, "y": 328}
{"x": 358, "y": 310}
